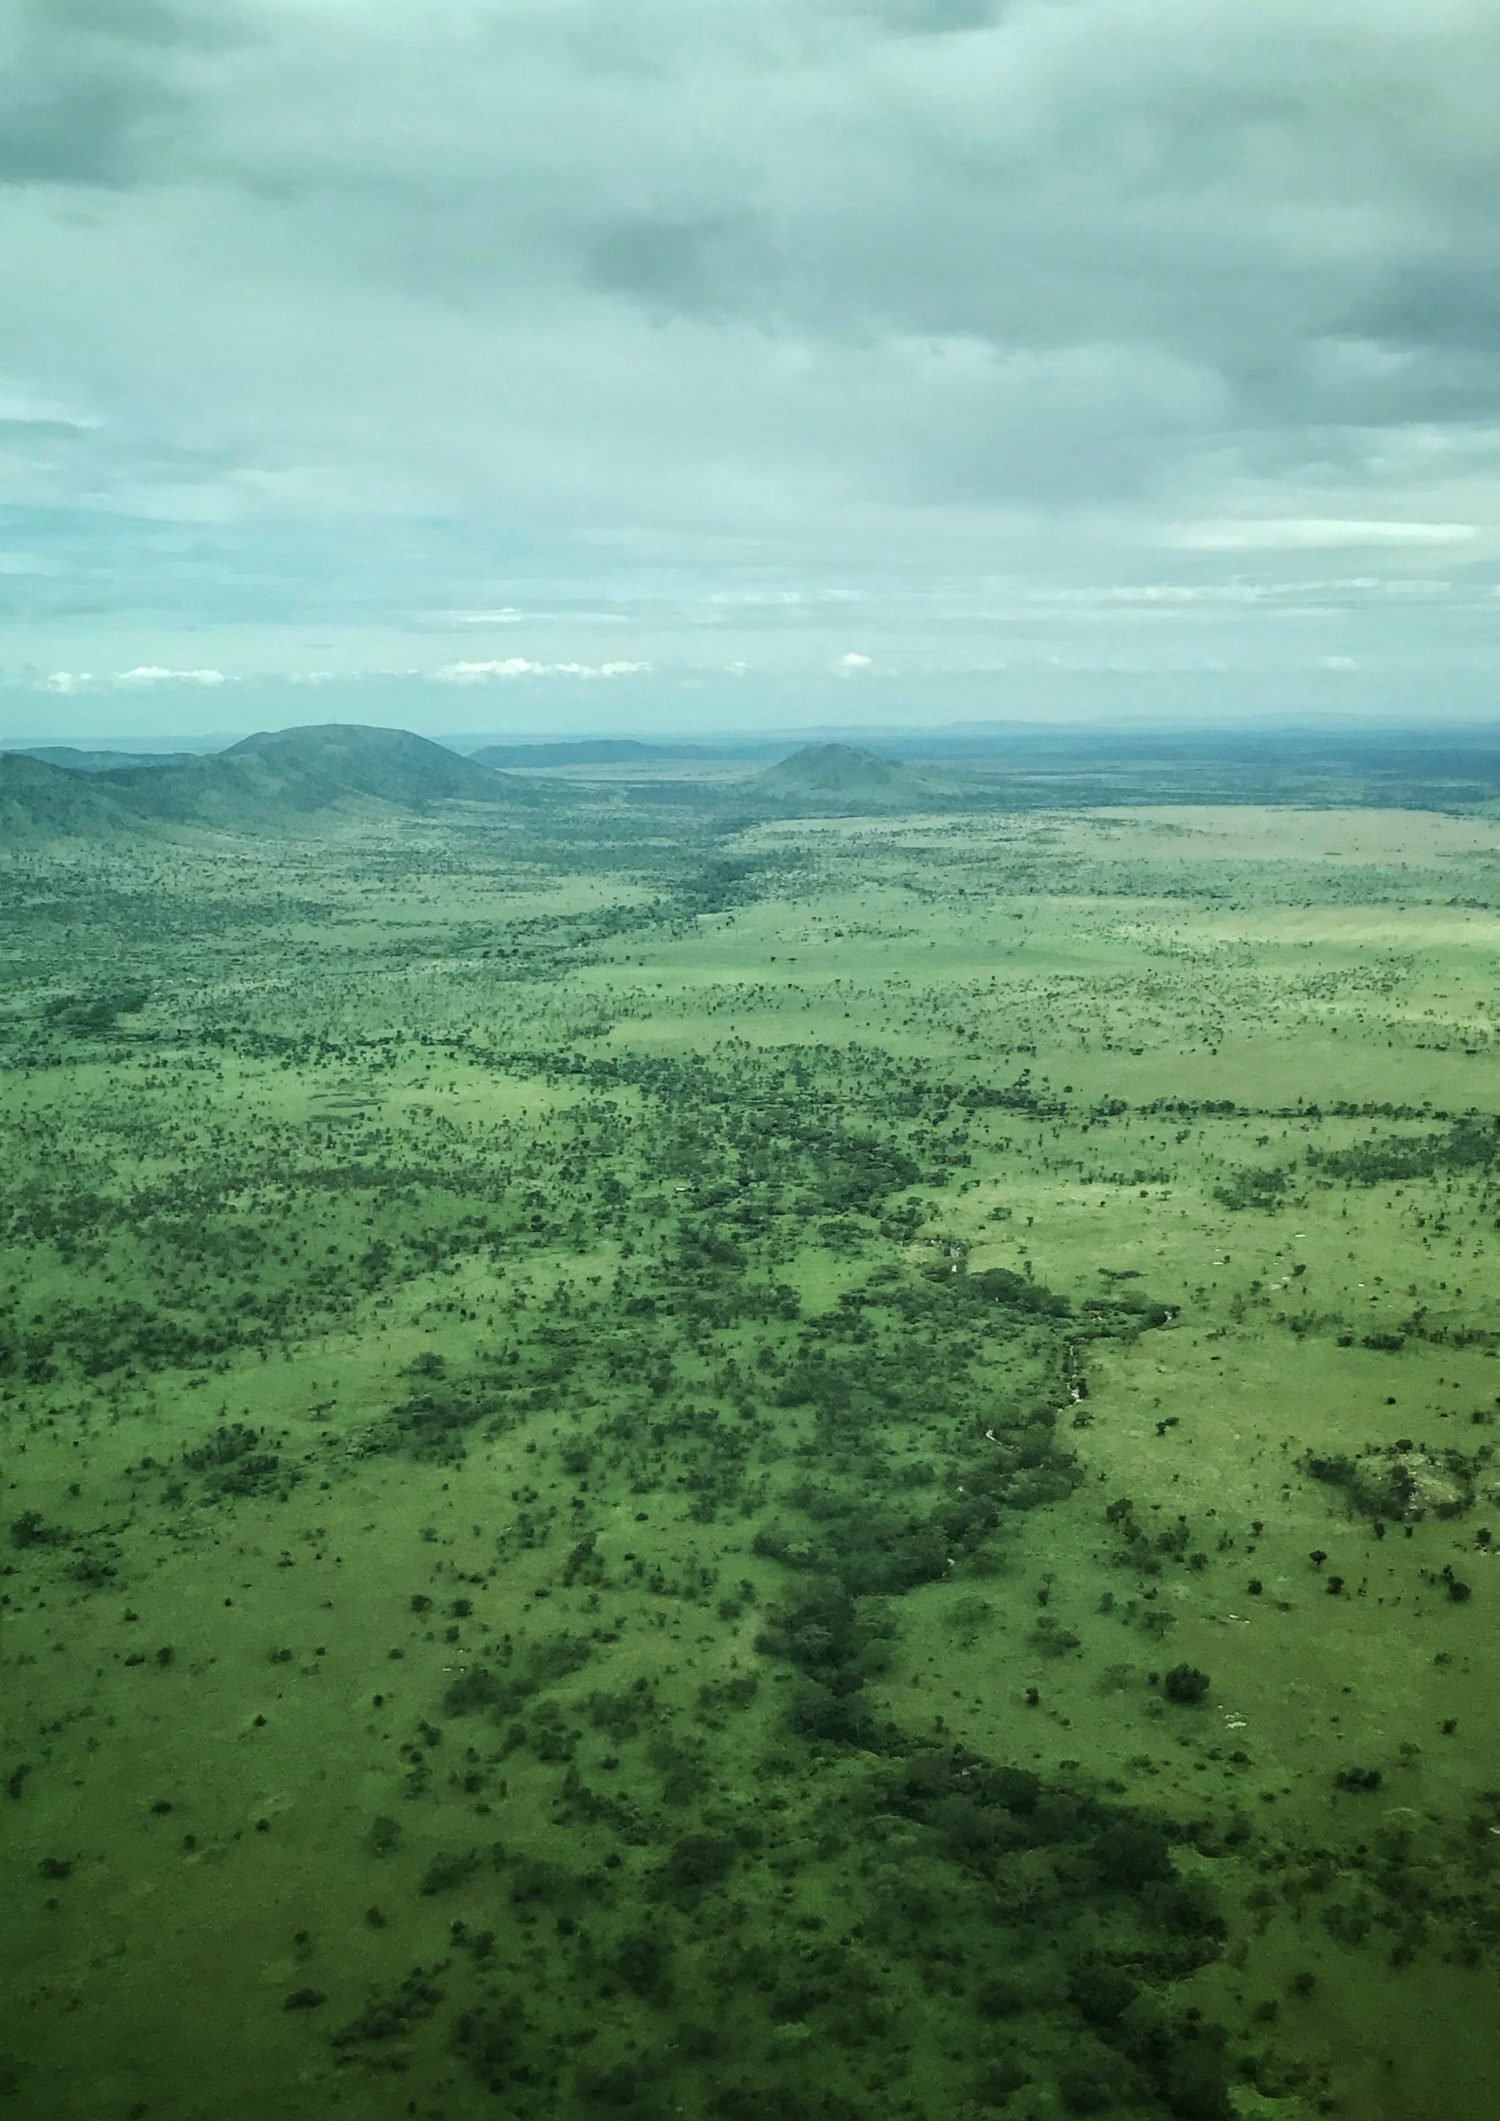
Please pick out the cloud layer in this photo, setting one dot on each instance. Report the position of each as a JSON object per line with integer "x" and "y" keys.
{"x": 1033, "y": 330}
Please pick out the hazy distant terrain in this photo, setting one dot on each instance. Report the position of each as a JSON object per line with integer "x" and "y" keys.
{"x": 281, "y": 781}
{"x": 735, "y": 1450}
{"x": 582, "y": 751}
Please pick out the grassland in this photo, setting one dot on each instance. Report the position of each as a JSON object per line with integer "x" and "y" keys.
{"x": 834, "y": 1468}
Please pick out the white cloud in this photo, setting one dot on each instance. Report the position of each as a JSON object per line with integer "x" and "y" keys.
{"x": 154, "y": 674}
{"x": 1311, "y": 534}
{"x": 144, "y": 674}
{"x": 520, "y": 666}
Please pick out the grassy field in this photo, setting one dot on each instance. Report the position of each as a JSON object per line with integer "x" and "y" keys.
{"x": 839, "y": 1468}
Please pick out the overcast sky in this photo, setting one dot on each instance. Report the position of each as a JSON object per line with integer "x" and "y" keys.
{"x": 487, "y": 364}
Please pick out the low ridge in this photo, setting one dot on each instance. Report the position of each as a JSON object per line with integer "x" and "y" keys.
{"x": 79, "y": 760}
{"x": 574, "y": 751}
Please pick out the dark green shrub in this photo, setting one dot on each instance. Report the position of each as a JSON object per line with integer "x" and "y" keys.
{"x": 1129, "y": 1856}
{"x": 644, "y": 1963}
{"x": 696, "y": 1862}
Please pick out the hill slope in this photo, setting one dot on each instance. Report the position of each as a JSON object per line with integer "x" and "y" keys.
{"x": 40, "y": 801}
{"x": 282, "y": 780}
{"x": 284, "y": 776}
{"x": 842, "y": 777}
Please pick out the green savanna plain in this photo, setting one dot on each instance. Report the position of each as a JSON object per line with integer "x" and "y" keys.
{"x": 832, "y": 1467}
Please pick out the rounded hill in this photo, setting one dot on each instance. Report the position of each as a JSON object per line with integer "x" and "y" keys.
{"x": 283, "y": 780}
{"x": 282, "y": 776}
{"x": 843, "y": 777}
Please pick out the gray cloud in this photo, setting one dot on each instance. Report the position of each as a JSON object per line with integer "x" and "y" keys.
{"x": 90, "y": 90}
{"x": 339, "y": 318}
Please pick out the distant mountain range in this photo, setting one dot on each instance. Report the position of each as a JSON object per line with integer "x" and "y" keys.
{"x": 290, "y": 780}
{"x": 311, "y": 779}
{"x": 281, "y": 780}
